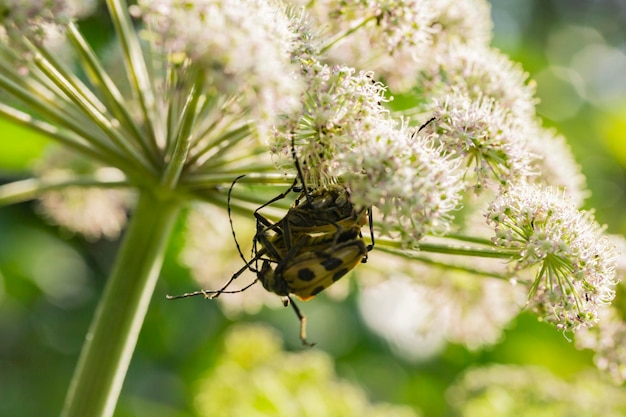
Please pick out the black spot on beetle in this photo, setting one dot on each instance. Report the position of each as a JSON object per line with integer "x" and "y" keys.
{"x": 331, "y": 263}
{"x": 305, "y": 274}
{"x": 340, "y": 273}
{"x": 317, "y": 291}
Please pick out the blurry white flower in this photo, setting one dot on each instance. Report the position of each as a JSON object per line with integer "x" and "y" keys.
{"x": 90, "y": 211}
{"x": 407, "y": 315}
{"x": 481, "y": 73}
{"x": 32, "y": 19}
{"x": 94, "y": 212}
{"x": 527, "y": 391}
{"x": 555, "y": 164}
{"x": 462, "y": 22}
{"x": 211, "y": 255}
{"x": 418, "y": 316}
{"x": 608, "y": 341}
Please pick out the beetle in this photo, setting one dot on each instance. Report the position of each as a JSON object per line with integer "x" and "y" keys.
{"x": 313, "y": 262}
{"x": 316, "y": 243}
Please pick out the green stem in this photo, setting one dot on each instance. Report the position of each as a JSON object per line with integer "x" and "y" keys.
{"x": 440, "y": 264}
{"x": 174, "y": 169}
{"x": 97, "y": 113}
{"x": 136, "y": 68}
{"x": 342, "y": 35}
{"x": 452, "y": 249}
{"x": 106, "y": 87}
{"x": 111, "y": 340}
{"x": 31, "y": 188}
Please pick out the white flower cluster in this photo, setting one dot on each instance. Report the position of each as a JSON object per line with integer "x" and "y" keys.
{"x": 242, "y": 46}
{"x": 345, "y": 133}
{"x": 482, "y": 134}
{"x": 575, "y": 262}
{"x": 419, "y": 318}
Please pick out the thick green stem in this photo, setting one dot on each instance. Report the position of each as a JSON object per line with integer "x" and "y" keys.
{"x": 113, "y": 334}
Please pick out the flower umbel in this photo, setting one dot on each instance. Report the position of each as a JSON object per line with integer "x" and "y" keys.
{"x": 483, "y": 135}
{"x": 480, "y": 73}
{"x": 607, "y": 341}
{"x": 340, "y": 108}
{"x": 575, "y": 263}
{"x": 345, "y": 134}
{"x": 403, "y": 175}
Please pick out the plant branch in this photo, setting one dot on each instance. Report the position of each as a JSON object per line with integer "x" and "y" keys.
{"x": 106, "y": 87}
{"x": 137, "y": 70}
{"x": 182, "y": 145}
{"x": 29, "y": 189}
{"x": 96, "y": 111}
{"x": 451, "y": 249}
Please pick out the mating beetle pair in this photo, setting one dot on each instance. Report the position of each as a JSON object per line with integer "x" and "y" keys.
{"x": 317, "y": 242}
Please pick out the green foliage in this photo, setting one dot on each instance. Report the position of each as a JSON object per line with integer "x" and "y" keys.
{"x": 253, "y": 376}
{"x": 501, "y": 390}
{"x": 20, "y": 147}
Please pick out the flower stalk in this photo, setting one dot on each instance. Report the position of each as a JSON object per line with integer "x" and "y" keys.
{"x": 113, "y": 334}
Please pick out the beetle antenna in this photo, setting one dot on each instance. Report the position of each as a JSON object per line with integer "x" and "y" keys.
{"x": 299, "y": 169}
{"x": 232, "y": 229}
{"x": 370, "y": 219}
{"x": 425, "y": 124}
{"x": 209, "y": 294}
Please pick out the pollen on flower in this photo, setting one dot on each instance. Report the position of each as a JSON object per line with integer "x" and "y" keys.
{"x": 573, "y": 260}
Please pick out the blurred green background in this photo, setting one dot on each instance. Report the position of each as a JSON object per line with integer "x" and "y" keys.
{"x": 50, "y": 282}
